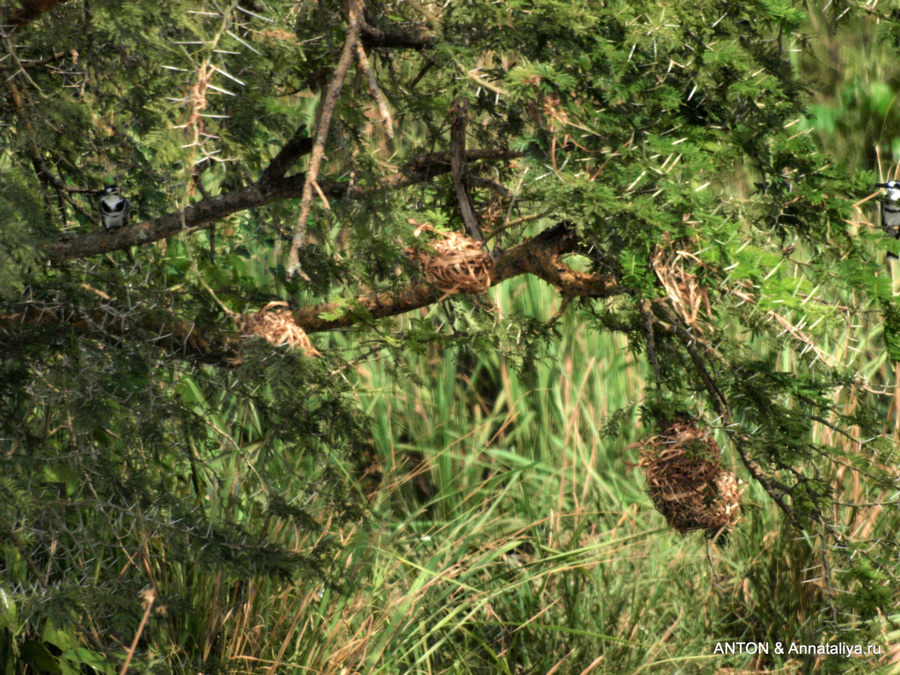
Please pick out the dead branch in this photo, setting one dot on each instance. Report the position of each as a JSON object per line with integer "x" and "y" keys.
{"x": 374, "y": 90}
{"x": 329, "y": 100}
{"x": 206, "y": 212}
{"x": 459, "y": 122}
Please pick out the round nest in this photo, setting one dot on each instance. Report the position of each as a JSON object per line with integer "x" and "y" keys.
{"x": 276, "y": 327}
{"x": 686, "y": 482}
{"x": 456, "y": 263}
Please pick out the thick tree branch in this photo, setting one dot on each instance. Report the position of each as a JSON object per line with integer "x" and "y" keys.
{"x": 540, "y": 256}
{"x": 206, "y": 212}
{"x": 374, "y": 38}
{"x": 179, "y": 338}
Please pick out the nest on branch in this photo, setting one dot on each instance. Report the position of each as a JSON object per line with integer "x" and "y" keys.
{"x": 277, "y": 327}
{"x": 455, "y": 263}
{"x": 688, "y": 484}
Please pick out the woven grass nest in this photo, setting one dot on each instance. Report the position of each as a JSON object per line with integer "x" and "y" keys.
{"x": 688, "y": 484}
{"x": 455, "y": 264}
{"x": 277, "y": 327}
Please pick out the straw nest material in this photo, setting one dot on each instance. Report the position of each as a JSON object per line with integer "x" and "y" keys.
{"x": 276, "y": 326}
{"x": 455, "y": 263}
{"x": 687, "y": 483}
{"x": 685, "y": 290}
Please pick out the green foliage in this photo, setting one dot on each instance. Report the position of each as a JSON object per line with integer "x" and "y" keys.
{"x": 23, "y": 233}
{"x": 443, "y": 491}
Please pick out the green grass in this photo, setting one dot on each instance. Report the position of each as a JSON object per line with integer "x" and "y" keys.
{"x": 509, "y": 532}
{"x": 509, "y": 535}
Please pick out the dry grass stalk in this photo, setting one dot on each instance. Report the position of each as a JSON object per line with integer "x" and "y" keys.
{"x": 458, "y": 264}
{"x": 687, "y": 483}
{"x": 276, "y": 327}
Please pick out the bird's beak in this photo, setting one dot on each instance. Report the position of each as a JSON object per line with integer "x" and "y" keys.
{"x": 884, "y": 185}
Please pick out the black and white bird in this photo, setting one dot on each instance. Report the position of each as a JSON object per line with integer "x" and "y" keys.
{"x": 890, "y": 211}
{"x": 114, "y": 209}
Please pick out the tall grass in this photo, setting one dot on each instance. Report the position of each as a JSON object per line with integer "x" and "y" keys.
{"x": 510, "y": 535}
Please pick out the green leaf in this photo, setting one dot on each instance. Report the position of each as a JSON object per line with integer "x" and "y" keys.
{"x": 8, "y": 612}
{"x": 38, "y": 656}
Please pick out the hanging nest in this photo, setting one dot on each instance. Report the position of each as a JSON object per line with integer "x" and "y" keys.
{"x": 276, "y": 327}
{"x": 455, "y": 264}
{"x": 687, "y": 484}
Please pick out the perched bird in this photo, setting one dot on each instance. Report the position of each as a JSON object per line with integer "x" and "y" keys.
{"x": 890, "y": 211}
{"x": 114, "y": 209}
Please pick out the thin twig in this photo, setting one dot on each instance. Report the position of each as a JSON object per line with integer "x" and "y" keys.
{"x": 198, "y": 182}
{"x": 566, "y": 299}
{"x": 363, "y": 61}
{"x": 722, "y": 407}
{"x": 47, "y": 178}
{"x": 329, "y": 100}
{"x": 149, "y": 598}
{"x": 429, "y": 64}
{"x": 647, "y": 313}
{"x": 517, "y": 221}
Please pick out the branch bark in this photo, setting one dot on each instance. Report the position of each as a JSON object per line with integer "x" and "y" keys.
{"x": 375, "y": 38}
{"x": 180, "y": 338}
{"x": 206, "y": 212}
{"x": 29, "y": 11}
{"x": 459, "y": 114}
{"x": 323, "y": 124}
{"x": 293, "y": 150}
{"x": 541, "y": 256}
